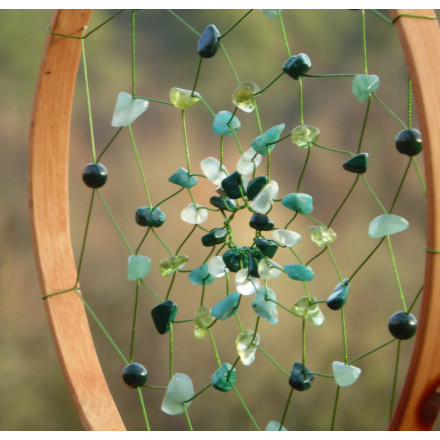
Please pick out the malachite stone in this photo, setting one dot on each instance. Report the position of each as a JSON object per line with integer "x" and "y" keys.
{"x": 357, "y": 164}
{"x": 345, "y": 375}
{"x": 264, "y": 306}
{"x": 248, "y": 162}
{"x": 409, "y": 142}
{"x": 128, "y": 109}
{"x": 182, "y": 178}
{"x": 364, "y": 85}
{"x": 265, "y": 143}
{"x": 146, "y": 216}
{"x": 299, "y": 202}
{"x": 194, "y": 215}
{"x": 387, "y": 224}
{"x": 261, "y": 222}
{"x": 285, "y": 237}
{"x": 138, "y": 267}
{"x": 321, "y": 235}
{"x": 225, "y": 123}
{"x": 134, "y": 375}
{"x": 214, "y": 237}
{"x": 202, "y": 320}
{"x": 262, "y": 202}
{"x": 275, "y": 426}
{"x": 304, "y": 135}
{"x": 183, "y": 99}
{"x": 268, "y": 270}
{"x": 244, "y": 96}
{"x": 223, "y": 203}
{"x": 227, "y": 306}
{"x": 209, "y": 42}
{"x": 163, "y": 314}
{"x": 339, "y": 296}
{"x": 172, "y": 264}
{"x": 179, "y": 390}
{"x": 224, "y": 378}
{"x": 300, "y": 377}
{"x": 245, "y": 284}
{"x": 297, "y": 65}
{"x": 235, "y": 260}
{"x": 299, "y": 272}
{"x": 308, "y": 309}
{"x": 246, "y": 344}
{"x": 233, "y": 185}
{"x": 271, "y": 13}
{"x": 217, "y": 267}
{"x": 201, "y": 276}
{"x": 213, "y": 170}
{"x": 267, "y": 247}
{"x": 255, "y": 186}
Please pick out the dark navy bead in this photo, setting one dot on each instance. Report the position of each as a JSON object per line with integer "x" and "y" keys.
{"x": 209, "y": 42}
{"x": 300, "y": 378}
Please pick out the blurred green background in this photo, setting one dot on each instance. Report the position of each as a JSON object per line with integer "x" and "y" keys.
{"x": 33, "y": 395}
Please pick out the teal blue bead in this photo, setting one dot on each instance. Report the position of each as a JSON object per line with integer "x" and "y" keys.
{"x": 182, "y": 178}
{"x": 364, "y": 85}
{"x": 233, "y": 185}
{"x": 357, "y": 164}
{"x": 265, "y": 143}
{"x": 225, "y": 124}
{"x": 264, "y": 306}
{"x": 255, "y": 186}
{"x": 224, "y": 378}
{"x": 339, "y": 296}
{"x": 297, "y": 65}
{"x": 216, "y": 236}
{"x": 387, "y": 224}
{"x": 163, "y": 314}
{"x": 201, "y": 276}
{"x": 302, "y": 203}
{"x": 146, "y": 216}
{"x": 227, "y": 306}
{"x": 138, "y": 267}
{"x": 235, "y": 260}
{"x": 299, "y": 272}
{"x": 300, "y": 378}
{"x": 223, "y": 203}
{"x": 267, "y": 247}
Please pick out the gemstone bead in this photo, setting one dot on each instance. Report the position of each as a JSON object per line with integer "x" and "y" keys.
{"x": 299, "y": 272}
{"x": 364, "y": 85}
{"x": 357, "y": 164}
{"x": 225, "y": 123}
{"x": 194, "y": 215}
{"x": 409, "y": 142}
{"x": 264, "y": 306}
{"x": 261, "y": 222}
{"x": 146, "y": 216}
{"x": 248, "y": 162}
{"x": 265, "y": 143}
{"x": 271, "y": 13}
{"x": 267, "y": 247}
{"x": 402, "y": 325}
{"x": 184, "y": 99}
{"x": 246, "y": 344}
{"x": 345, "y": 375}
{"x": 172, "y": 264}
{"x": 321, "y": 235}
{"x": 255, "y": 186}
{"x": 233, "y": 185}
{"x": 300, "y": 377}
{"x": 182, "y": 178}
{"x": 217, "y": 267}
{"x": 297, "y": 65}
{"x": 213, "y": 170}
{"x": 226, "y": 307}
{"x": 274, "y": 426}
{"x": 268, "y": 270}
{"x": 244, "y": 95}
{"x": 285, "y": 237}
{"x": 224, "y": 378}
{"x": 163, "y": 314}
{"x": 262, "y": 202}
{"x": 308, "y": 309}
{"x": 95, "y": 175}
{"x": 201, "y": 276}
{"x": 339, "y": 296}
{"x": 223, "y": 203}
{"x": 128, "y": 109}
{"x": 179, "y": 389}
{"x": 214, "y": 237}
{"x": 245, "y": 284}
{"x": 138, "y": 267}
{"x": 134, "y": 375}
{"x": 253, "y": 260}
{"x": 387, "y": 224}
{"x": 209, "y": 42}
{"x": 304, "y": 135}
{"x": 202, "y": 320}
{"x": 302, "y": 203}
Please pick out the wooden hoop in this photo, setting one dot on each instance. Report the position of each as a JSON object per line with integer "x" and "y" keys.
{"x": 419, "y": 403}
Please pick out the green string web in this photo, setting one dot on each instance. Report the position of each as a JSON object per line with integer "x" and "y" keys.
{"x": 140, "y": 159}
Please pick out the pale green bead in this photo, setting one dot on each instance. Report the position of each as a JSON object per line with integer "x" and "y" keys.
{"x": 202, "y": 320}
{"x": 274, "y": 426}
{"x": 138, "y": 267}
{"x": 172, "y": 264}
{"x": 179, "y": 390}
{"x": 387, "y": 224}
{"x": 246, "y": 344}
{"x": 305, "y": 135}
{"x": 243, "y": 96}
{"x": 307, "y": 308}
{"x": 128, "y": 109}
{"x": 345, "y": 375}
{"x": 183, "y": 99}
{"x": 364, "y": 85}
{"x": 321, "y": 235}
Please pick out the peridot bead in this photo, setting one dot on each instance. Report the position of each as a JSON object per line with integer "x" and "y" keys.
{"x": 244, "y": 96}
{"x": 305, "y": 135}
{"x": 183, "y": 99}
{"x": 321, "y": 235}
{"x": 202, "y": 320}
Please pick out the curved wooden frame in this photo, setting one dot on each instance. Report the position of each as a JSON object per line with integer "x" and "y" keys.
{"x": 49, "y": 206}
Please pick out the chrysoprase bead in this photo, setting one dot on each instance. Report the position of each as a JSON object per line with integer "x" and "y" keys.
{"x": 226, "y": 307}
{"x": 134, "y": 375}
{"x": 201, "y": 276}
{"x": 300, "y": 377}
{"x": 261, "y": 222}
{"x": 248, "y": 162}
{"x": 268, "y": 270}
{"x": 265, "y": 143}
{"x": 387, "y": 224}
{"x": 217, "y": 267}
{"x": 271, "y": 13}
{"x": 179, "y": 389}
{"x": 255, "y": 186}
{"x": 182, "y": 178}
{"x": 245, "y": 284}
{"x": 321, "y": 235}
{"x": 299, "y": 202}
{"x": 214, "y": 237}
{"x": 244, "y": 95}
{"x": 225, "y": 123}
{"x": 357, "y": 164}
{"x": 128, "y": 109}
{"x": 213, "y": 170}
{"x": 138, "y": 267}
{"x": 202, "y": 320}
{"x": 409, "y": 142}
{"x": 233, "y": 185}
{"x": 304, "y": 135}
{"x": 224, "y": 378}
{"x": 285, "y": 237}
{"x": 234, "y": 260}
{"x": 267, "y": 247}
{"x": 308, "y": 309}
{"x": 194, "y": 215}
{"x": 246, "y": 344}
{"x": 146, "y": 216}
{"x": 364, "y": 85}
{"x": 163, "y": 314}
{"x": 345, "y": 375}
{"x": 297, "y": 65}
{"x": 299, "y": 272}
{"x": 95, "y": 175}
{"x": 184, "y": 99}
{"x": 209, "y": 42}
{"x": 339, "y": 296}
{"x": 264, "y": 306}
{"x": 275, "y": 426}
{"x": 172, "y": 264}
{"x": 262, "y": 202}
{"x": 223, "y": 203}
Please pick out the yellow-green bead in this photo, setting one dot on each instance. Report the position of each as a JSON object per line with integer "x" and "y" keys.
{"x": 305, "y": 135}
{"x": 321, "y": 235}
{"x": 202, "y": 320}
{"x": 243, "y": 96}
{"x": 183, "y": 99}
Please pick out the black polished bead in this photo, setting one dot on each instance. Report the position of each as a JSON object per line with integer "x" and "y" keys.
{"x": 163, "y": 314}
{"x": 223, "y": 203}
{"x": 261, "y": 222}
{"x": 214, "y": 237}
{"x": 409, "y": 142}
{"x": 209, "y": 42}
{"x": 94, "y": 175}
{"x": 232, "y": 184}
{"x": 134, "y": 375}
{"x": 402, "y": 325}
{"x": 267, "y": 247}
{"x": 255, "y": 186}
